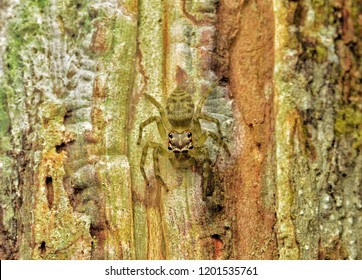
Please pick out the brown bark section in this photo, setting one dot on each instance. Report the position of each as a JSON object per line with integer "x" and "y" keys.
{"x": 246, "y": 48}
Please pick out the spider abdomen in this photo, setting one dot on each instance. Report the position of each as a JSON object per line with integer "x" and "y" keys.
{"x": 180, "y": 108}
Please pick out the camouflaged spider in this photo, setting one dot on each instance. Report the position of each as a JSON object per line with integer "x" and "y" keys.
{"x": 182, "y": 122}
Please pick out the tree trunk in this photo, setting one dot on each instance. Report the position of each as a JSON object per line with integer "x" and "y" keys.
{"x": 75, "y": 76}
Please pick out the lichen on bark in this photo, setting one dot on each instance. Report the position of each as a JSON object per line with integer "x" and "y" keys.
{"x": 57, "y": 123}
{"x": 317, "y": 113}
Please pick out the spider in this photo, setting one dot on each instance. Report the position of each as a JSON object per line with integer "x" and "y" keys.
{"x": 185, "y": 137}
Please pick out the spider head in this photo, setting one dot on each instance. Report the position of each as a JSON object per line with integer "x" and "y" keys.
{"x": 180, "y": 142}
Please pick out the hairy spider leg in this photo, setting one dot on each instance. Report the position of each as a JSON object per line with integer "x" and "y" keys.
{"x": 159, "y": 151}
{"x": 203, "y": 154}
{"x": 158, "y": 106}
{"x": 203, "y": 135}
{"x": 204, "y": 97}
{"x": 199, "y": 115}
{"x": 160, "y": 126}
{"x": 161, "y": 122}
{"x": 216, "y": 138}
{"x": 210, "y": 119}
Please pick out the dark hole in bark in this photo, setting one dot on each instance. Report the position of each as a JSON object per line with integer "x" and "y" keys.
{"x": 218, "y": 246}
{"x": 224, "y": 79}
{"x": 60, "y": 148}
{"x": 49, "y": 191}
{"x": 329, "y": 189}
{"x": 215, "y": 236}
{"x": 258, "y": 145}
{"x": 42, "y": 247}
{"x": 217, "y": 208}
{"x": 67, "y": 116}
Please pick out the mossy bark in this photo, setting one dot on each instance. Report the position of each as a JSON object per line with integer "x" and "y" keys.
{"x": 73, "y": 75}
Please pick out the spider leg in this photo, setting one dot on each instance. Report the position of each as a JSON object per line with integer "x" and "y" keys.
{"x": 160, "y": 125}
{"x": 210, "y": 119}
{"x": 204, "y": 97}
{"x": 216, "y": 138}
{"x": 159, "y": 107}
{"x": 203, "y": 135}
{"x": 203, "y": 154}
{"x": 158, "y": 150}
{"x": 143, "y": 161}
{"x": 156, "y": 165}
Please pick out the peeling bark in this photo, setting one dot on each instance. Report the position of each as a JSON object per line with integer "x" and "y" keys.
{"x": 73, "y": 80}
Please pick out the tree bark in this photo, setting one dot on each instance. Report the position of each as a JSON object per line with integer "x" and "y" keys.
{"x": 74, "y": 76}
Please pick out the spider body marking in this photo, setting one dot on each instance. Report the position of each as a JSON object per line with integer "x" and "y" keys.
{"x": 180, "y": 109}
{"x": 180, "y": 142}
{"x": 185, "y": 136}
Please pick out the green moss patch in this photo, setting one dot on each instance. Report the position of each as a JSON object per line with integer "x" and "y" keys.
{"x": 349, "y": 122}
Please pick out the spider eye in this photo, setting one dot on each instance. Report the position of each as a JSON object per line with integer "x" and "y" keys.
{"x": 189, "y": 134}
{"x": 191, "y": 147}
{"x": 170, "y": 135}
{"x": 170, "y": 148}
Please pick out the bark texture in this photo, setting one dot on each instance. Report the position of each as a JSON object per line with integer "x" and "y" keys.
{"x": 73, "y": 79}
